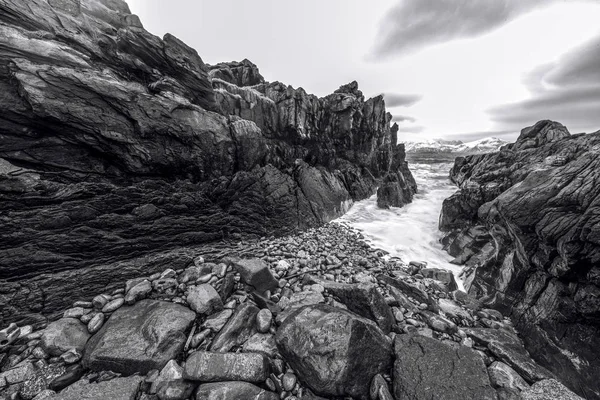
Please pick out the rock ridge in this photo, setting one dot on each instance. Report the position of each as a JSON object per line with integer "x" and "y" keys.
{"x": 525, "y": 225}
{"x": 115, "y": 144}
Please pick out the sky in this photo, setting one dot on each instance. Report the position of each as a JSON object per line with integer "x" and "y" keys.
{"x": 453, "y": 69}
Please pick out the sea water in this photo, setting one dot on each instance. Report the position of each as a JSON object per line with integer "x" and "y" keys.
{"x": 411, "y": 233}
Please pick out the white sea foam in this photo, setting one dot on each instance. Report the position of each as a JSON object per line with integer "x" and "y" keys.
{"x": 410, "y": 233}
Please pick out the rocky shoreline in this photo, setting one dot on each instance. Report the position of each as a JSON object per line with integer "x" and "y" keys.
{"x": 317, "y": 315}
{"x": 524, "y": 223}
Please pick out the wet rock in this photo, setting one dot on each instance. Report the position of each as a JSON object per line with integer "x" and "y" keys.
{"x": 334, "y": 352}
{"x": 71, "y": 357}
{"x": 216, "y": 321}
{"x": 263, "y": 320}
{"x": 261, "y": 343}
{"x": 113, "y": 305}
{"x": 549, "y": 389}
{"x": 115, "y": 389}
{"x": 71, "y": 375}
{"x": 297, "y": 301}
{"x": 450, "y": 373}
{"x": 364, "y": 300}
{"x": 442, "y": 275}
{"x": 100, "y": 301}
{"x": 508, "y": 348}
{"x": 63, "y": 335}
{"x": 218, "y": 367}
{"x": 256, "y": 273}
{"x": 413, "y": 290}
{"x": 95, "y": 323}
{"x": 139, "y": 338}
{"x": 237, "y": 330}
{"x": 204, "y": 299}
{"x": 233, "y": 391}
{"x": 503, "y": 376}
{"x": 9, "y": 335}
{"x": 138, "y": 292}
{"x": 169, "y": 385}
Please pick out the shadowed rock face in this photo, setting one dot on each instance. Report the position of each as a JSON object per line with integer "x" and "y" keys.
{"x": 117, "y": 144}
{"x": 526, "y": 225}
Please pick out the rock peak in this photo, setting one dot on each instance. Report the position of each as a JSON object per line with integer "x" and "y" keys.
{"x": 541, "y": 133}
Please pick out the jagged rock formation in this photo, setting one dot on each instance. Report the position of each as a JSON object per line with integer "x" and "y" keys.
{"x": 526, "y": 225}
{"x": 115, "y": 143}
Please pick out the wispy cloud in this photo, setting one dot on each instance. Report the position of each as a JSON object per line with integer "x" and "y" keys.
{"x": 401, "y": 100}
{"x": 411, "y": 129}
{"x": 567, "y": 91}
{"x": 414, "y": 24}
{"x": 403, "y": 118}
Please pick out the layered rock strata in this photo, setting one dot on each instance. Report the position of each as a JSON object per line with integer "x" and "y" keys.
{"x": 116, "y": 144}
{"x": 526, "y": 226}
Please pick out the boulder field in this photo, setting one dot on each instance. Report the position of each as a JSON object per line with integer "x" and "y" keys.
{"x": 120, "y": 151}
{"x": 525, "y": 223}
{"x": 333, "y": 319}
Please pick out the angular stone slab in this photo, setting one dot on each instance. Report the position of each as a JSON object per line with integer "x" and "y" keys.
{"x": 426, "y": 368}
{"x": 139, "y": 338}
{"x": 509, "y": 348}
{"x": 207, "y": 366}
{"x": 115, "y": 389}
{"x": 233, "y": 391}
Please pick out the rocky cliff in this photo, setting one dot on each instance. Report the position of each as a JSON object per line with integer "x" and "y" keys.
{"x": 526, "y": 225}
{"x": 116, "y": 144}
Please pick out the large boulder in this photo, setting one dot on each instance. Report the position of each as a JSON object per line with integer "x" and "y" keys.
{"x": 63, "y": 335}
{"x": 426, "y": 368}
{"x": 139, "y": 338}
{"x": 334, "y": 352}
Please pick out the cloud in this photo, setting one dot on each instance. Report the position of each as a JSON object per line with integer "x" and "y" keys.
{"x": 567, "y": 91}
{"x": 403, "y": 118}
{"x": 401, "y": 100}
{"x": 414, "y": 24}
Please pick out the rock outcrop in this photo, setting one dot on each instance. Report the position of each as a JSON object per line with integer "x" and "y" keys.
{"x": 116, "y": 144}
{"x": 526, "y": 225}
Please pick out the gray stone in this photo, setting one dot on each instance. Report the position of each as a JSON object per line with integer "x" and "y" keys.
{"x": 365, "y": 300}
{"x": 256, "y": 273}
{"x": 237, "y": 330}
{"x": 114, "y": 389}
{"x": 218, "y": 367}
{"x": 139, "y": 291}
{"x": 334, "y": 352}
{"x": 503, "y": 376}
{"x": 261, "y": 343}
{"x": 63, "y": 335}
{"x": 508, "y": 348}
{"x": 140, "y": 338}
{"x": 113, "y": 305}
{"x": 233, "y": 391}
{"x": 216, "y": 321}
{"x": 263, "y": 320}
{"x": 549, "y": 389}
{"x": 204, "y": 299}
{"x": 429, "y": 369}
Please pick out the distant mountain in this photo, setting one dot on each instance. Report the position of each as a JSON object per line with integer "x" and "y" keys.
{"x": 487, "y": 145}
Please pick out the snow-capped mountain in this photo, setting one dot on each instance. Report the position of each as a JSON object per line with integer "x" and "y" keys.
{"x": 486, "y": 145}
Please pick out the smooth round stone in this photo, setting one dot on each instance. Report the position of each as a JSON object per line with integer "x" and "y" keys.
{"x": 113, "y": 305}
{"x": 288, "y": 381}
{"x": 204, "y": 279}
{"x": 96, "y": 323}
{"x": 263, "y": 320}
{"x": 100, "y": 300}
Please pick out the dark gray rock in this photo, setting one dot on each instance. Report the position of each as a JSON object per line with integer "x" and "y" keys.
{"x": 364, "y": 300}
{"x": 334, "y": 352}
{"x": 63, "y": 335}
{"x": 237, "y": 330}
{"x": 139, "y": 338}
{"x": 429, "y": 369}
{"x": 117, "y": 389}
